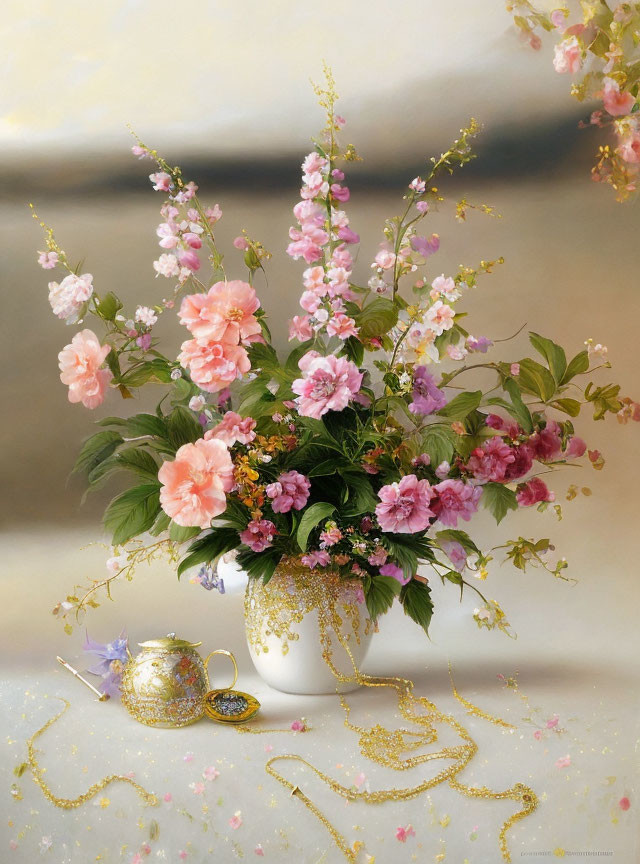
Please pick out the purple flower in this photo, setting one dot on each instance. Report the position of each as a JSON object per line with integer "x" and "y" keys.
{"x": 425, "y": 246}
{"x": 395, "y": 572}
{"x": 208, "y": 577}
{"x": 427, "y": 396}
{"x": 480, "y": 344}
{"x": 455, "y": 552}
{"x": 113, "y": 656}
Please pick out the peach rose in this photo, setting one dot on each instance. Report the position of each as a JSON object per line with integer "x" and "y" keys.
{"x": 214, "y": 365}
{"x": 194, "y": 484}
{"x": 224, "y": 314}
{"x": 80, "y": 364}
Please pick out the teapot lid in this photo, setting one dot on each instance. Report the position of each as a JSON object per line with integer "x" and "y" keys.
{"x": 169, "y": 642}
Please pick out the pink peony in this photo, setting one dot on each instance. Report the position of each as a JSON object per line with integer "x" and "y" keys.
{"x": 440, "y": 317}
{"x": 395, "y": 572}
{"x": 616, "y": 102}
{"x": 194, "y": 484}
{"x": 289, "y": 492}
{"x": 316, "y": 558}
{"x": 455, "y": 500}
{"x": 259, "y": 534}
{"x": 404, "y": 506}
{"x": 489, "y": 463}
{"x": 233, "y": 429}
{"x": 546, "y": 443}
{"x": 224, "y": 314}
{"x": 80, "y": 364}
{"x": 533, "y": 492}
{"x": 568, "y": 56}
{"x": 328, "y": 384}
{"x": 68, "y": 298}
{"x": 300, "y": 328}
{"x": 342, "y": 326}
{"x": 214, "y": 365}
{"x": 521, "y": 465}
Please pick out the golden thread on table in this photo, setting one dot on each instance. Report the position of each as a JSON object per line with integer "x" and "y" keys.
{"x": 274, "y": 609}
{"x": 37, "y": 773}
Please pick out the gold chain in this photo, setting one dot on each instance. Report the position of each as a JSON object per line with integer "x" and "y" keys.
{"x": 386, "y": 747}
{"x": 69, "y": 803}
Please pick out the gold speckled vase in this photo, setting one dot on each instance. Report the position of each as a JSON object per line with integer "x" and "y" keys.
{"x": 298, "y": 625}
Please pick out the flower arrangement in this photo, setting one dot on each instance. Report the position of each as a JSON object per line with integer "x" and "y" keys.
{"x": 603, "y": 49}
{"x": 361, "y": 452}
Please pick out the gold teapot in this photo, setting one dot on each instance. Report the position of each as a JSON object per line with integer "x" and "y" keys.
{"x": 167, "y": 685}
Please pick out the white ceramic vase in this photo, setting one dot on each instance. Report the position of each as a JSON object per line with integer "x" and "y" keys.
{"x": 298, "y": 627}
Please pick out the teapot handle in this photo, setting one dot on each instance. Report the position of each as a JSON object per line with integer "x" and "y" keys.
{"x": 233, "y": 660}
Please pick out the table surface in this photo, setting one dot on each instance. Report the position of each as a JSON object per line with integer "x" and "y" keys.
{"x": 581, "y": 674}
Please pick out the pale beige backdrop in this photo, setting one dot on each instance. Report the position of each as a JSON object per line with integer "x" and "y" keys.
{"x": 223, "y": 88}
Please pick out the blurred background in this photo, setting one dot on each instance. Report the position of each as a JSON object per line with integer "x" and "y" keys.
{"x": 223, "y": 89}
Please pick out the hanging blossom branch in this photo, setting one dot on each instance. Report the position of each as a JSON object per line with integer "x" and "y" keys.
{"x": 602, "y": 51}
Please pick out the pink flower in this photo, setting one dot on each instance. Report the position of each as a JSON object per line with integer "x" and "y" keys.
{"x": 197, "y": 788}
{"x": 233, "y": 429}
{"x": 236, "y": 820}
{"x": 328, "y": 384}
{"x": 47, "y": 260}
{"x": 425, "y": 246}
{"x": 330, "y": 536}
{"x": 316, "y": 558}
{"x": 553, "y": 722}
{"x": 241, "y": 243}
{"x": 182, "y": 854}
{"x": 259, "y": 851}
{"x": 427, "y": 396}
{"x": 403, "y": 833}
{"x": 342, "y": 326}
{"x": 404, "y": 506}
{"x": 617, "y": 103}
{"x": 624, "y": 803}
{"x": 568, "y": 56}
{"x": 313, "y": 162}
{"x": 629, "y": 146}
{"x": 145, "y": 315}
{"x": 300, "y": 328}
{"x": 194, "y": 484}
{"x": 340, "y": 193}
{"x": 290, "y": 492}
{"x": 223, "y": 314}
{"x": 455, "y": 500}
{"x": 440, "y": 317}
{"x": 68, "y": 298}
{"x": 456, "y": 553}
{"x": 563, "y": 762}
{"x": 378, "y": 556}
{"x": 211, "y": 773}
{"x": 514, "y": 369}
{"x": 144, "y": 341}
{"x": 422, "y": 206}
{"x": 213, "y": 365}
{"x": 522, "y": 463}
{"x": 167, "y": 265}
{"x": 537, "y": 735}
{"x": 395, "y": 572}
{"x": 546, "y": 443}
{"x": 533, "y": 492}
{"x": 417, "y": 185}
{"x": 444, "y": 286}
{"x": 80, "y": 364}
{"x": 308, "y": 212}
{"x": 298, "y": 726}
{"x": 137, "y": 858}
{"x": 385, "y": 259}
{"x": 347, "y": 235}
{"x": 189, "y": 259}
{"x": 489, "y": 463}
{"x": 259, "y": 534}
{"x": 310, "y": 302}
{"x": 480, "y": 344}
{"x": 161, "y": 181}
{"x": 307, "y": 243}
{"x": 575, "y": 448}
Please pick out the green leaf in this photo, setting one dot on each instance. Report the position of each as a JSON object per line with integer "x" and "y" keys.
{"x": 577, "y": 366}
{"x": 311, "y": 517}
{"x": 161, "y": 524}
{"x": 151, "y": 370}
{"x": 438, "y": 442}
{"x": 377, "y": 318}
{"x": 291, "y": 366}
{"x": 498, "y": 499}
{"x": 380, "y": 594}
{"x": 133, "y": 459}
{"x": 132, "y": 512}
{"x": 206, "y": 549}
{"x": 324, "y": 469}
{"x": 259, "y": 565}
{"x": 263, "y": 357}
{"x": 354, "y": 350}
{"x": 519, "y": 410}
{"x": 553, "y": 354}
{"x": 109, "y": 306}
{"x": 454, "y": 535}
{"x": 534, "y": 378}
{"x": 146, "y": 424}
{"x": 183, "y": 427}
{"x": 95, "y": 450}
{"x": 569, "y": 406}
{"x": 461, "y": 406}
{"x": 408, "y": 550}
{"x": 179, "y": 534}
{"x": 361, "y": 495}
{"x": 416, "y": 601}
